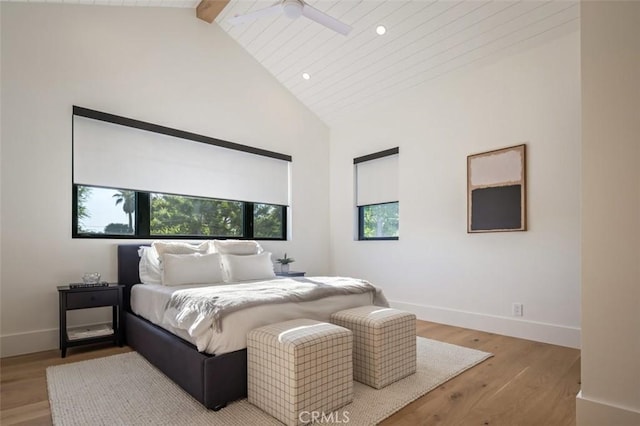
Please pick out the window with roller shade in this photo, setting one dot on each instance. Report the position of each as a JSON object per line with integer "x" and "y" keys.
{"x": 133, "y": 179}
{"x": 377, "y": 198}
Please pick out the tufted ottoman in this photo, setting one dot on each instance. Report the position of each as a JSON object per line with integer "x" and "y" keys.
{"x": 384, "y": 343}
{"x": 298, "y": 367}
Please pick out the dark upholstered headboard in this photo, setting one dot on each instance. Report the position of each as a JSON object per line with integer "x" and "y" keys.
{"x": 128, "y": 273}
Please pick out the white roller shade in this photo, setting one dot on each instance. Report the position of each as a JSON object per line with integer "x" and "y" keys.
{"x": 111, "y": 155}
{"x": 377, "y": 181}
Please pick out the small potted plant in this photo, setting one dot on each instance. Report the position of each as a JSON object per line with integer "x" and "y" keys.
{"x": 284, "y": 262}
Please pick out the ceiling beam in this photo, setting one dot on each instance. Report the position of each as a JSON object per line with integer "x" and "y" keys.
{"x": 207, "y": 10}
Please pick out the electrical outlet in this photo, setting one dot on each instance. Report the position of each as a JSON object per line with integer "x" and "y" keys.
{"x": 517, "y": 309}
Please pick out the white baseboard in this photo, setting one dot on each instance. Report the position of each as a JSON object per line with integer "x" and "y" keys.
{"x": 29, "y": 342}
{"x": 590, "y": 412}
{"x": 530, "y": 330}
{"x": 34, "y": 341}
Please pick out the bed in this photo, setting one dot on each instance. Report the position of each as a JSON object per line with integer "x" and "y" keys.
{"x": 214, "y": 380}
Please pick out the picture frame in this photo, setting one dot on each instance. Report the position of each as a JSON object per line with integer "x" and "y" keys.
{"x": 497, "y": 191}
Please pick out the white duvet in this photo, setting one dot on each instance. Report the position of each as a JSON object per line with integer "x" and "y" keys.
{"x": 150, "y": 301}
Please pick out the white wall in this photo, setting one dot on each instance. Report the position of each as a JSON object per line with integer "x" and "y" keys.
{"x": 611, "y": 209}
{"x": 438, "y": 270}
{"x": 158, "y": 65}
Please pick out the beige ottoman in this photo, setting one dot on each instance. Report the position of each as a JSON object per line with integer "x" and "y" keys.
{"x": 384, "y": 343}
{"x": 298, "y": 367}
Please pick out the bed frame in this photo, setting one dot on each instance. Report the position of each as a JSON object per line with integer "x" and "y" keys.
{"x": 214, "y": 380}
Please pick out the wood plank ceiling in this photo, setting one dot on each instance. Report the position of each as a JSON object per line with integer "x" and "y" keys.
{"x": 424, "y": 40}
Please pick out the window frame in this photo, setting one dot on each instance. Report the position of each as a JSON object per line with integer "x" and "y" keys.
{"x": 142, "y": 227}
{"x": 360, "y": 209}
{"x": 143, "y": 198}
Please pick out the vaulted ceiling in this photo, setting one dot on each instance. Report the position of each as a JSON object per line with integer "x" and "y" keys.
{"x": 424, "y": 40}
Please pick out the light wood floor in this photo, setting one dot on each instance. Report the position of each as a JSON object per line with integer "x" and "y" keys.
{"x": 525, "y": 383}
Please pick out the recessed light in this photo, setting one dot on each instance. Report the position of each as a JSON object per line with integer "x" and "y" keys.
{"x": 381, "y": 29}
{"x": 306, "y": 75}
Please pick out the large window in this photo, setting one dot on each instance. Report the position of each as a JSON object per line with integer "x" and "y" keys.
{"x": 377, "y": 195}
{"x": 177, "y": 184}
{"x": 116, "y": 213}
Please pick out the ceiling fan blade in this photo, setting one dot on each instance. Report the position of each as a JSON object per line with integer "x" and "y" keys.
{"x": 252, "y": 16}
{"x": 326, "y": 20}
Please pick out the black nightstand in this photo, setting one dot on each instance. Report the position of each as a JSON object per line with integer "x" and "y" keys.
{"x": 90, "y": 297}
{"x": 290, "y": 274}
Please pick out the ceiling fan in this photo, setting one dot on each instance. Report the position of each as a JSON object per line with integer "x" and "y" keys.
{"x": 293, "y": 9}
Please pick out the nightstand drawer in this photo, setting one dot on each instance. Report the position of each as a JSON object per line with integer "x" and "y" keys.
{"x": 91, "y": 299}
{"x": 290, "y": 274}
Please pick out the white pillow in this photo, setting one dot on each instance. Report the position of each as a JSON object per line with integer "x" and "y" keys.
{"x": 249, "y": 267}
{"x": 179, "y": 269}
{"x": 237, "y": 247}
{"x": 149, "y": 266}
{"x": 165, "y": 247}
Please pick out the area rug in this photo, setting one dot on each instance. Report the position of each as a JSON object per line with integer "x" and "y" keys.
{"x": 126, "y": 390}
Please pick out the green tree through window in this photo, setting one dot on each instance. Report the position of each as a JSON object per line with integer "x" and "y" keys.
{"x": 379, "y": 221}
{"x": 180, "y": 215}
{"x": 84, "y": 192}
{"x": 267, "y": 221}
{"x": 128, "y": 201}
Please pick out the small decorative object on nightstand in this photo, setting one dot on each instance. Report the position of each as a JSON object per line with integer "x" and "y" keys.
{"x": 91, "y": 278}
{"x": 90, "y": 295}
{"x": 284, "y": 262}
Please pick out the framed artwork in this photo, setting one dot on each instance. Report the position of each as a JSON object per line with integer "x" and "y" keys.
{"x": 496, "y": 190}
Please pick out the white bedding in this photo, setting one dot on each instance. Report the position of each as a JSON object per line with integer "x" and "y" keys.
{"x": 150, "y": 301}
